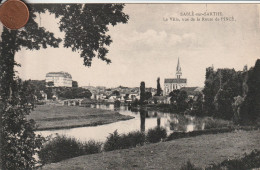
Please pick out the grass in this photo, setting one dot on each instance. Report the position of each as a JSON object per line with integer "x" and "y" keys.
{"x": 59, "y": 117}
{"x": 202, "y": 150}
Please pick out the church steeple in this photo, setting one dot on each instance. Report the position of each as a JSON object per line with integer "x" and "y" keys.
{"x": 178, "y": 70}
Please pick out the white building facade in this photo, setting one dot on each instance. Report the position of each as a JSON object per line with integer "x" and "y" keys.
{"x": 59, "y": 79}
{"x": 171, "y": 84}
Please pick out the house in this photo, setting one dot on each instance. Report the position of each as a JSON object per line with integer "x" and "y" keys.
{"x": 59, "y": 79}
{"x": 171, "y": 84}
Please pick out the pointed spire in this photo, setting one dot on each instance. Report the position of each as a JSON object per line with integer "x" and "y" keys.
{"x": 178, "y": 69}
{"x": 178, "y": 65}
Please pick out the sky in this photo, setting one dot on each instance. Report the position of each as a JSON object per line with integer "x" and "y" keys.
{"x": 148, "y": 46}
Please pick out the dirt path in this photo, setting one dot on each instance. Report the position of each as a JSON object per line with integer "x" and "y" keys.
{"x": 201, "y": 150}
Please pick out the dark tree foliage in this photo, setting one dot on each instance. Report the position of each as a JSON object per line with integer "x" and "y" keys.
{"x": 18, "y": 140}
{"x": 230, "y": 88}
{"x": 250, "y": 109}
{"x": 142, "y": 92}
{"x": 38, "y": 86}
{"x": 209, "y": 91}
{"x": 159, "y": 89}
{"x": 174, "y": 94}
{"x": 75, "y": 84}
{"x": 197, "y": 105}
{"x": 126, "y": 97}
{"x": 50, "y": 83}
{"x": 179, "y": 99}
{"x": 148, "y": 95}
{"x": 116, "y": 92}
{"x": 221, "y": 88}
{"x": 85, "y": 28}
{"x": 73, "y": 92}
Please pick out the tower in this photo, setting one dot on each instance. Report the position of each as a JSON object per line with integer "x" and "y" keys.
{"x": 178, "y": 70}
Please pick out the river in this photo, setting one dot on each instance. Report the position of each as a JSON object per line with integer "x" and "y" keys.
{"x": 142, "y": 121}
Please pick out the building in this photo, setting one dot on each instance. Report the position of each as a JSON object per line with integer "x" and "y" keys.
{"x": 59, "y": 79}
{"x": 171, "y": 84}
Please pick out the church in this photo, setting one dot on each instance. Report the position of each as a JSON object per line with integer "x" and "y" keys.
{"x": 171, "y": 84}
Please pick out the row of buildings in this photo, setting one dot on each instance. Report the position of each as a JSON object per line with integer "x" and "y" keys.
{"x": 64, "y": 79}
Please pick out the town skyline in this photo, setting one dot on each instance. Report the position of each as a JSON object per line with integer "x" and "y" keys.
{"x": 147, "y": 48}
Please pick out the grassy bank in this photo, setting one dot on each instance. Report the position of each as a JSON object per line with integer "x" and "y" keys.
{"x": 59, "y": 117}
{"x": 201, "y": 150}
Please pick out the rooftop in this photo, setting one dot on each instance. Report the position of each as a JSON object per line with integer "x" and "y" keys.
{"x": 175, "y": 80}
{"x": 58, "y": 74}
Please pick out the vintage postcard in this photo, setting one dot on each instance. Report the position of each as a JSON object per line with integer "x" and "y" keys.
{"x": 131, "y": 86}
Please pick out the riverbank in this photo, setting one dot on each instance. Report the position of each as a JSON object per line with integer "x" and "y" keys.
{"x": 201, "y": 151}
{"x": 49, "y": 117}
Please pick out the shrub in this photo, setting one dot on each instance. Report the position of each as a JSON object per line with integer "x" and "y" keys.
{"x": 249, "y": 161}
{"x": 92, "y": 147}
{"x": 112, "y": 142}
{"x": 132, "y": 139}
{"x": 156, "y": 134}
{"x": 115, "y": 141}
{"x": 212, "y": 123}
{"x": 178, "y": 135}
{"x": 60, "y": 148}
{"x": 189, "y": 166}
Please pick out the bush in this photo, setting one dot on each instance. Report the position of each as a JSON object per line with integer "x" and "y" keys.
{"x": 115, "y": 141}
{"x": 92, "y": 147}
{"x": 132, "y": 139}
{"x": 156, "y": 134}
{"x": 249, "y": 161}
{"x": 60, "y": 148}
{"x": 112, "y": 141}
{"x": 212, "y": 123}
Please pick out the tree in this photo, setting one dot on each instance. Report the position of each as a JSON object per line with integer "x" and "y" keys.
{"x": 220, "y": 88}
{"x": 142, "y": 92}
{"x": 250, "y": 109}
{"x": 50, "y": 83}
{"x": 197, "y": 105}
{"x": 159, "y": 89}
{"x": 148, "y": 95}
{"x": 90, "y": 40}
{"x": 126, "y": 97}
{"x": 174, "y": 94}
{"x": 181, "y": 101}
{"x": 75, "y": 84}
{"x": 209, "y": 92}
{"x": 178, "y": 98}
{"x": 116, "y": 92}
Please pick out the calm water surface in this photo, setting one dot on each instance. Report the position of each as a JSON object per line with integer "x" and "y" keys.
{"x": 143, "y": 120}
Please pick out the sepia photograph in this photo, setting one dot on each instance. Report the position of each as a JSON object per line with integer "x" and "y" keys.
{"x": 130, "y": 86}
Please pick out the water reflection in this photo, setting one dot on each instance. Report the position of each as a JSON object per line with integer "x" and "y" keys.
{"x": 143, "y": 115}
{"x": 143, "y": 120}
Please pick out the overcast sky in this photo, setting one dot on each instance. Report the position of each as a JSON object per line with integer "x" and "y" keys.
{"x": 148, "y": 47}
